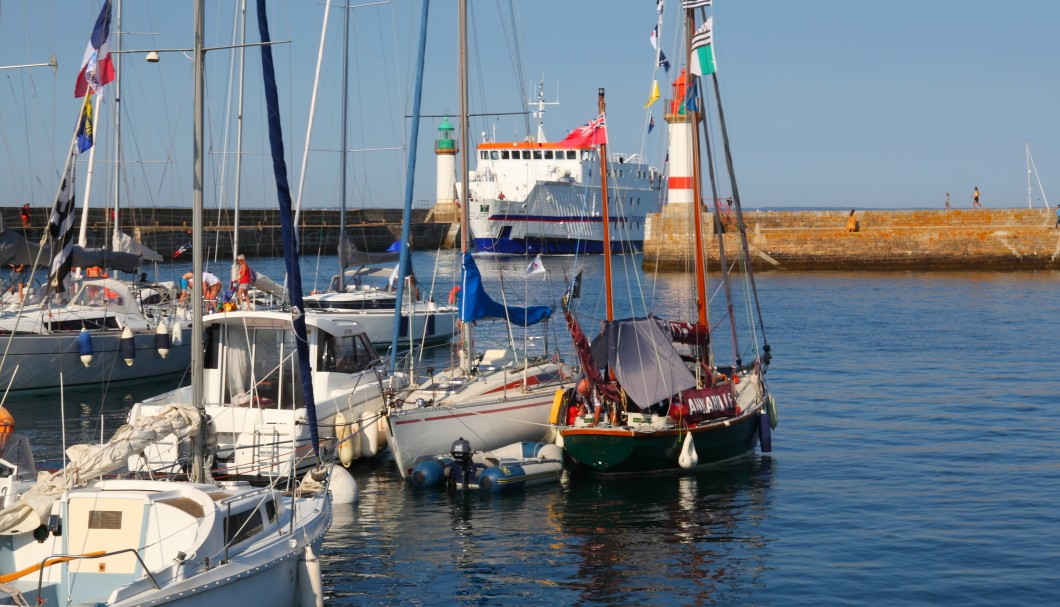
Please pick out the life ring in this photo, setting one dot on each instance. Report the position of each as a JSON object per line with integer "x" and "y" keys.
{"x": 453, "y": 294}
{"x": 7, "y": 421}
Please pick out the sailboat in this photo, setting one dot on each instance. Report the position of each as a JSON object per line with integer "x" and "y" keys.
{"x": 253, "y": 392}
{"x": 73, "y": 538}
{"x": 652, "y": 397}
{"x": 366, "y": 293}
{"x": 492, "y": 399}
{"x": 91, "y": 331}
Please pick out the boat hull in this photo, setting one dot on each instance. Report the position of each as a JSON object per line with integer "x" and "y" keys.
{"x": 605, "y": 450}
{"x": 41, "y": 358}
{"x": 492, "y": 411}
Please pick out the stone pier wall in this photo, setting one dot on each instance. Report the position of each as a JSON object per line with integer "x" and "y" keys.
{"x": 165, "y": 229}
{"x": 1004, "y": 239}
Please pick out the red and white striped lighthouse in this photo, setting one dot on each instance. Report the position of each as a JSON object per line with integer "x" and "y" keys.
{"x": 679, "y": 186}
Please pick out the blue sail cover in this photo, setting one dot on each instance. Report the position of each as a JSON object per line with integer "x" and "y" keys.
{"x": 476, "y": 304}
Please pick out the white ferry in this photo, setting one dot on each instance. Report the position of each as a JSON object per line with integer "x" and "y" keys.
{"x": 529, "y": 197}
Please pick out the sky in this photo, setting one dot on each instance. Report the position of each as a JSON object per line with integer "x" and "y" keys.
{"x": 828, "y": 103}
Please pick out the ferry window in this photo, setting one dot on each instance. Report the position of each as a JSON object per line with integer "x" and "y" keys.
{"x": 548, "y": 154}
{"x": 537, "y": 154}
{"x": 494, "y": 155}
{"x": 572, "y": 155}
{"x": 482, "y": 154}
{"x": 504, "y": 154}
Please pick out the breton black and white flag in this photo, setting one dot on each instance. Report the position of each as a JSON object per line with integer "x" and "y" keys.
{"x": 61, "y": 230}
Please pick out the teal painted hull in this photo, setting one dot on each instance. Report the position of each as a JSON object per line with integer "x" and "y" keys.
{"x": 622, "y": 451}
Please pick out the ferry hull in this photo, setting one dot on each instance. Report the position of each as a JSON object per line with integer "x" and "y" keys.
{"x": 552, "y": 246}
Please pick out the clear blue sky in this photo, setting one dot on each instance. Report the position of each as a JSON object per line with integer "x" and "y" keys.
{"x": 833, "y": 103}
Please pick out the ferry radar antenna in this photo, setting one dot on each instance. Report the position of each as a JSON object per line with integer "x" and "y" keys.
{"x": 539, "y": 113}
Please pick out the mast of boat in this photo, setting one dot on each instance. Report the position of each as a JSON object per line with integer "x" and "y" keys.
{"x": 1027, "y": 154}
{"x": 465, "y": 232}
{"x": 342, "y": 145}
{"x": 697, "y": 189}
{"x": 605, "y": 215}
{"x": 197, "y": 355}
{"x": 404, "y": 260}
{"x": 239, "y": 135}
{"x": 1031, "y": 167}
{"x": 117, "y": 122}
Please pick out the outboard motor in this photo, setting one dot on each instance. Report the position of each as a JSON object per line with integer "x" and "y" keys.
{"x": 462, "y": 465}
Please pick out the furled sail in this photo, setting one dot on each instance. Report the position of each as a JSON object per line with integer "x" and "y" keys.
{"x": 476, "y": 304}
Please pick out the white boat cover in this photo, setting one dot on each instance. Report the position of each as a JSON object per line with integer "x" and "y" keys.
{"x": 88, "y": 462}
{"x": 125, "y": 243}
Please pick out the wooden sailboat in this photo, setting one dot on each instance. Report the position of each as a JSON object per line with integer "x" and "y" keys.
{"x": 645, "y": 403}
{"x": 494, "y": 399}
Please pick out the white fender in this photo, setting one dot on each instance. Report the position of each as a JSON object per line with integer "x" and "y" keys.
{"x": 310, "y": 580}
{"x": 689, "y": 458}
{"x": 345, "y": 438}
{"x": 177, "y": 337}
{"x": 343, "y": 487}
{"x": 771, "y": 407}
{"x": 369, "y": 429}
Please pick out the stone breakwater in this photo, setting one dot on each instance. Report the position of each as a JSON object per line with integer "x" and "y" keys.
{"x": 958, "y": 239}
{"x": 165, "y": 229}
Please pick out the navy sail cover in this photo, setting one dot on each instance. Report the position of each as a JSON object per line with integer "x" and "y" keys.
{"x": 476, "y": 304}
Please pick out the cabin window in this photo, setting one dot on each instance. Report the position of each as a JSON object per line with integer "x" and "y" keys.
{"x": 104, "y": 519}
{"x": 526, "y": 154}
{"x": 537, "y": 154}
{"x": 572, "y": 155}
{"x": 504, "y": 155}
{"x": 548, "y": 154}
{"x": 347, "y": 354}
{"x": 270, "y": 510}
{"x": 494, "y": 155}
{"x": 242, "y": 525}
{"x": 483, "y": 154}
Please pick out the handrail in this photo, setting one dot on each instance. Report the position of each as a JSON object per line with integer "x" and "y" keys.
{"x": 48, "y": 562}
{"x": 63, "y": 558}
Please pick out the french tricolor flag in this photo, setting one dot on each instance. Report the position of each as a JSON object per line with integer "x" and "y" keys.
{"x": 97, "y": 68}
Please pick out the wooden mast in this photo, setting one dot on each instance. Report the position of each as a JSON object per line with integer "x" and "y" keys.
{"x": 605, "y": 216}
{"x": 697, "y": 190}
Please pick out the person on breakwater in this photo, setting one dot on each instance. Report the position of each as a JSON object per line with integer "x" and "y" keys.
{"x": 947, "y": 201}
{"x": 1057, "y": 226}
{"x": 975, "y": 199}
{"x": 852, "y": 222}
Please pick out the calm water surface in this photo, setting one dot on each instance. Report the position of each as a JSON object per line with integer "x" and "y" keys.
{"x": 915, "y": 463}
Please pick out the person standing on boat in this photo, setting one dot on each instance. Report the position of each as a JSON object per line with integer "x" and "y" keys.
{"x": 211, "y": 290}
{"x": 17, "y": 279}
{"x": 25, "y": 214}
{"x": 244, "y": 280}
{"x": 975, "y": 199}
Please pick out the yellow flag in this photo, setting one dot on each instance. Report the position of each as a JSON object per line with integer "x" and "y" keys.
{"x": 654, "y": 93}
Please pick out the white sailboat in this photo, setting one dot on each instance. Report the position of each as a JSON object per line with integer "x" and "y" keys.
{"x": 494, "y": 399}
{"x": 73, "y": 538}
{"x": 352, "y": 293}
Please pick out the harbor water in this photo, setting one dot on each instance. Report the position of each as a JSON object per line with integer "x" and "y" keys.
{"x": 915, "y": 463}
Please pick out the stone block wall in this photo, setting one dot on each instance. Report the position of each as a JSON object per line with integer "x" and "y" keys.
{"x": 887, "y": 240}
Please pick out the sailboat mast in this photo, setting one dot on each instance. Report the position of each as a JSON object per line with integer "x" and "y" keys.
{"x": 465, "y": 232}
{"x": 343, "y": 147}
{"x": 1027, "y": 154}
{"x": 239, "y": 130}
{"x": 116, "y": 54}
{"x": 605, "y": 216}
{"x": 197, "y": 470}
{"x": 697, "y": 191}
